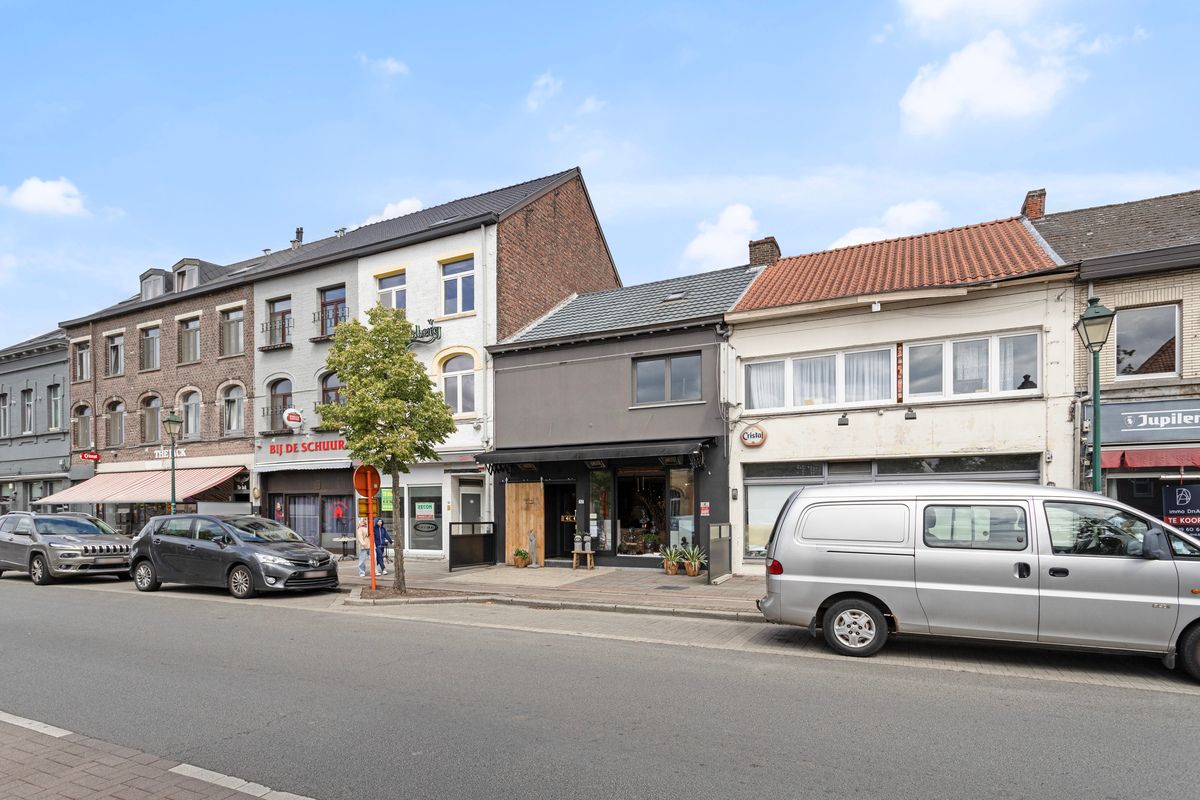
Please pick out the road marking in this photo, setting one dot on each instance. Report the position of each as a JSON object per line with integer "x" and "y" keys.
{"x": 235, "y": 783}
{"x": 33, "y": 725}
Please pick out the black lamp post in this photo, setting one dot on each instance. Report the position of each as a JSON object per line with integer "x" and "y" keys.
{"x": 171, "y": 426}
{"x": 1093, "y": 328}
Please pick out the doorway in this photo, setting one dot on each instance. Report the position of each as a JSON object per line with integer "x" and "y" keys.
{"x": 560, "y": 519}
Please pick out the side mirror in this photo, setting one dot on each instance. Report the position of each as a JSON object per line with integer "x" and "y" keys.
{"x": 1154, "y": 545}
{"x": 223, "y": 540}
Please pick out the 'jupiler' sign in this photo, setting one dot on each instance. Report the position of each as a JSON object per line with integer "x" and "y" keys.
{"x": 1140, "y": 422}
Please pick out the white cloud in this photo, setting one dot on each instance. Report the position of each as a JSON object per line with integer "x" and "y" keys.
{"x": 902, "y": 219}
{"x": 391, "y": 210}
{"x": 957, "y": 13}
{"x": 544, "y": 87}
{"x": 983, "y": 80}
{"x": 725, "y": 242}
{"x": 386, "y": 66}
{"x": 36, "y": 196}
{"x": 591, "y": 105}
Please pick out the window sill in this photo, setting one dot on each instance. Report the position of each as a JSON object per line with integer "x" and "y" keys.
{"x": 145, "y": 370}
{"x": 77, "y": 381}
{"x": 266, "y": 348}
{"x": 1161, "y": 379}
{"x": 233, "y": 434}
{"x": 277, "y": 432}
{"x": 115, "y": 375}
{"x": 328, "y": 337}
{"x": 231, "y": 355}
{"x": 972, "y": 398}
{"x": 187, "y": 363}
{"x": 459, "y": 315}
{"x": 668, "y": 404}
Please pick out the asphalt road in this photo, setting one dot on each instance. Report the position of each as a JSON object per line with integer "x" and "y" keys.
{"x": 335, "y": 705}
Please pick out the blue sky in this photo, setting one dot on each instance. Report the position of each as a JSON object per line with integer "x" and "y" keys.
{"x": 132, "y": 135}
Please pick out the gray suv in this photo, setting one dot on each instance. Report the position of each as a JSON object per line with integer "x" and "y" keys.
{"x": 50, "y": 546}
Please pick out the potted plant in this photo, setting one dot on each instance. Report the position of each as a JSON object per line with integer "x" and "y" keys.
{"x": 671, "y": 557}
{"x": 521, "y": 557}
{"x": 693, "y": 558}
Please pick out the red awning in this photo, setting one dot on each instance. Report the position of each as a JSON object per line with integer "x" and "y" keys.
{"x": 1161, "y": 457}
{"x": 141, "y": 487}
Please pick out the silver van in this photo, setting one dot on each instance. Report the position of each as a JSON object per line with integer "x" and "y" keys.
{"x": 1005, "y": 562}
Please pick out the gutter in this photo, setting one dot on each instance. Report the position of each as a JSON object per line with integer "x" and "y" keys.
{"x": 558, "y": 341}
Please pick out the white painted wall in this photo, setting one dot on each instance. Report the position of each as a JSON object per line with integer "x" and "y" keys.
{"x": 1039, "y": 424}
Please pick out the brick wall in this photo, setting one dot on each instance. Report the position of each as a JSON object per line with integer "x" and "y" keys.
{"x": 547, "y": 250}
{"x": 210, "y": 376}
{"x": 1181, "y": 287}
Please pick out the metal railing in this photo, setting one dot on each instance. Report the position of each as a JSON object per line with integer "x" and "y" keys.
{"x": 330, "y": 317}
{"x": 278, "y": 331}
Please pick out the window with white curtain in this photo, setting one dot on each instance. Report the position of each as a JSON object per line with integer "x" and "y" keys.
{"x": 976, "y": 367}
{"x": 814, "y": 380}
{"x": 869, "y": 376}
{"x": 764, "y": 385}
{"x": 855, "y": 377}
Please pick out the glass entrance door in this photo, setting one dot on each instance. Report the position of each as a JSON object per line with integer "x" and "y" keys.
{"x": 304, "y": 517}
{"x": 642, "y": 523}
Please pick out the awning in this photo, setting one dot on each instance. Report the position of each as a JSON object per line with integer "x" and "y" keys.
{"x": 283, "y": 466}
{"x": 142, "y": 487}
{"x": 601, "y": 452}
{"x": 1158, "y": 457}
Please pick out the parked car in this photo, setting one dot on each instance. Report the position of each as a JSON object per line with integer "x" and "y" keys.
{"x": 50, "y": 546}
{"x": 1003, "y": 562}
{"x": 245, "y": 554}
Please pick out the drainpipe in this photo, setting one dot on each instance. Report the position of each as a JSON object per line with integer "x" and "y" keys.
{"x": 486, "y": 433}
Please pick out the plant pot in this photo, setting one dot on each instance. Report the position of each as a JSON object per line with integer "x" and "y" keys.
{"x": 693, "y": 569}
{"x": 671, "y": 567}
{"x": 520, "y": 562}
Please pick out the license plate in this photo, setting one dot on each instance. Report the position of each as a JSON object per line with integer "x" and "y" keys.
{"x": 106, "y": 561}
{"x": 317, "y": 573}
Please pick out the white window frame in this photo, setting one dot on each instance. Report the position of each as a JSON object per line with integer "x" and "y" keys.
{"x": 27, "y": 420}
{"x": 1148, "y": 375}
{"x": 458, "y": 376}
{"x": 789, "y": 400}
{"x": 225, "y": 338}
{"x": 392, "y": 291}
{"x": 82, "y": 356}
{"x": 143, "y": 338}
{"x": 993, "y": 392}
{"x": 457, "y": 277}
{"x": 152, "y": 287}
{"x": 183, "y": 332}
{"x": 238, "y": 414}
{"x": 4, "y": 414}
{"x": 54, "y": 407}
{"x": 185, "y": 279}
{"x": 184, "y": 432}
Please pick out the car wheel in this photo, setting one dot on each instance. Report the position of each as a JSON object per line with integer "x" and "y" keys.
{"x": 145, "y": 578}
{"x": 1189, "y": 652}
{"x": 241, "y": 582}
{"x": 39, "y": 572}
{"x": 855, "y": 628}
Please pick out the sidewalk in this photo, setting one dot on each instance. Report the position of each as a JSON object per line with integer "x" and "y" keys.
{"x": 47, "y": 763}
{"x": 604, "y": 586}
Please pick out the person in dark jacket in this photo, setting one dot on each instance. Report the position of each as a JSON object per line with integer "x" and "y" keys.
{"x": 382, "y": 540}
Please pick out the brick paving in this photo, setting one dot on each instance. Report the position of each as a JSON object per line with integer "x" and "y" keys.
{"x": 50, "y": 764}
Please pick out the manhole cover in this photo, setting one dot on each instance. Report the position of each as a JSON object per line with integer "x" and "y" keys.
{"x": 673, "y": 587}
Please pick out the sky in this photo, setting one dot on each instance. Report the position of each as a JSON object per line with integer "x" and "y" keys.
{"x": 136, "y": 134}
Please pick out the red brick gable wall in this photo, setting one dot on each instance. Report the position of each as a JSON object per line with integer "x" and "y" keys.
{"x": 546, "y": 251}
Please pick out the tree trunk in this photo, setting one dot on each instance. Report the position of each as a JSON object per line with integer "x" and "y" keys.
{"x": 398, "y": 532}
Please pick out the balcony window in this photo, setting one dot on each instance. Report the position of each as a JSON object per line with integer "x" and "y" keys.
{"x": 333, "y": 309}
{"x": 332, "y": 390}
{"x": 281, "y": 401}
{"x": 278, "y": 326}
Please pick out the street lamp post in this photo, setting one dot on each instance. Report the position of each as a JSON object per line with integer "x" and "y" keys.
{"x": 1093, "y": 328}
{"x": 171, "y": 426}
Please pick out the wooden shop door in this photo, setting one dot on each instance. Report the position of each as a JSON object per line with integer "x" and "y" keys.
{"x": 524, "y": 510}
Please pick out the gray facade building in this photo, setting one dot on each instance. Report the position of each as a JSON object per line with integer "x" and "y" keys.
{"x": 35, "y": 451}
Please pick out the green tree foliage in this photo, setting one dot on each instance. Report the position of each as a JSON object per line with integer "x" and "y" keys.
{"x": 392, "y": 415}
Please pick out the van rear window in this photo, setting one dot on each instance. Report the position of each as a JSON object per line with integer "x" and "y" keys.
{"x": 883, "y": 523}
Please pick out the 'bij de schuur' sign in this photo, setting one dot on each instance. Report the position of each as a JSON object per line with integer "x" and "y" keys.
{"x": 1148, "y": 421}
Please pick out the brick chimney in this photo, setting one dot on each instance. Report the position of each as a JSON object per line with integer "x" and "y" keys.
{"x": 1034, "y": 206}
{"x": 764, "y": 251}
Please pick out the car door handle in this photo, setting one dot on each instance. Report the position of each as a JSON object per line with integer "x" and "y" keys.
{"x": 191, "y": 547}
{"x": 1022, "y": 569}
{"x": 1059, "y": 572}
{"x": 157, "y": 541}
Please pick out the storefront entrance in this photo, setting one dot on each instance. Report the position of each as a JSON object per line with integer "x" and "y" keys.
{"x": 560, "y": 519}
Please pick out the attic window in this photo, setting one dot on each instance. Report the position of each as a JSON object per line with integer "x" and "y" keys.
{"x": 185, "y": 279}
{"x": 152, "y": 287}
{"x": 673, "y": 296}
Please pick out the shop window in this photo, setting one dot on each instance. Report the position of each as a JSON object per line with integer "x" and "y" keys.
{"x": 393, "y": 292}
{"x": 763, "y": 504}
{"x": 671, "y": 379}
{"x": 116, "y": 354}
{"x": 642, "y": 524}
{"x": 83, "y": 427}
{"x": 458, "y": 286}
{"x": 53, "y": 407}
{"x": 151, "y": 339}
{"x": 337, "y": 515}
{"x": 233, "y": 332}
{"x": 281, "y": 401}
{"x": 1147, "y": 341}
{"x": 116, "y": 424}
{"x": 82, "y": 361}
{"x": 1143, "y": 487}
{"x": 27, "y": 411}
{"x": 191, "y": 415}
{"x": 151, "y": 419}
{"x": 332, "y": 390}
{"x": 681, "y": 506}
{"x": 189, "y": 341}
{"x": 303, "y": 516}
{"x": 233, "y": 416}
{"x": 600, "y": 508}
{"x": 279, "y": 321}
{"x": 333, "y": 309}
{"x": 458, "y": 383}
{"x": 425, "y": 518}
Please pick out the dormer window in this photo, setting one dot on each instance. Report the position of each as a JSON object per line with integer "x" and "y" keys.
{"x": 152, "y": 287}
{"x": 185, "y": 279}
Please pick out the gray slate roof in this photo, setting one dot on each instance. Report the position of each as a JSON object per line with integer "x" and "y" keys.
{"x": 497, "y": 202}
{"x": 706, "y": 295}
{"x": 56, "y": 336}
{"x": 1132, "y": 227}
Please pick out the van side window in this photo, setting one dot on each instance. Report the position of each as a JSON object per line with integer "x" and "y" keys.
{"x": 1084, "y": 529}
{"x": 1183, "y": 548}
{"x": 976, "y": 527}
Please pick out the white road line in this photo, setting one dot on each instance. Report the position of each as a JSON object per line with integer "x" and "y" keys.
{"x": 234, "y": 783}
{"x": 34, "y": 725}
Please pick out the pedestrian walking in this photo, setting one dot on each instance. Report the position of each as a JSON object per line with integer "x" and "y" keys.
{"x": 363, "y": 534}
{"x": 382, "y": 540}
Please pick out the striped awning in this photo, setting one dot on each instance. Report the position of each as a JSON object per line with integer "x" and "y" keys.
{"x": 142, "y": 487}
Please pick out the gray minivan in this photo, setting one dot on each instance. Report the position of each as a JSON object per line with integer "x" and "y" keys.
{"x": 1005, "y": 562}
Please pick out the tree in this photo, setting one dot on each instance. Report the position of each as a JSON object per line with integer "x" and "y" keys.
{"x": 391, "y": 414}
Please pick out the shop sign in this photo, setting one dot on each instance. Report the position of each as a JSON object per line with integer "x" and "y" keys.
{"x": 705, "y": 508}
{"x": 425, "y": 527}
{"x": 180, "y": 452}
{"x": 306, "y": 447}
{"x": 754, "y": 436}
{"x": 424, "y": 510}
{"x": 1181, "y": 507}
{"x": 90, "y": 455}
{"x": 427, "y": 335}
{"x": 1145, "y": 421}
{"x": 293, "y": 418}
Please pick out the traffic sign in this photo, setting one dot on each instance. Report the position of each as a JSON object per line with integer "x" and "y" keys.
{"x": 366, "y": 481}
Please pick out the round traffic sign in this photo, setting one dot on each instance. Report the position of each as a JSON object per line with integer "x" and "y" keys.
{"x": 366, "y": 481}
